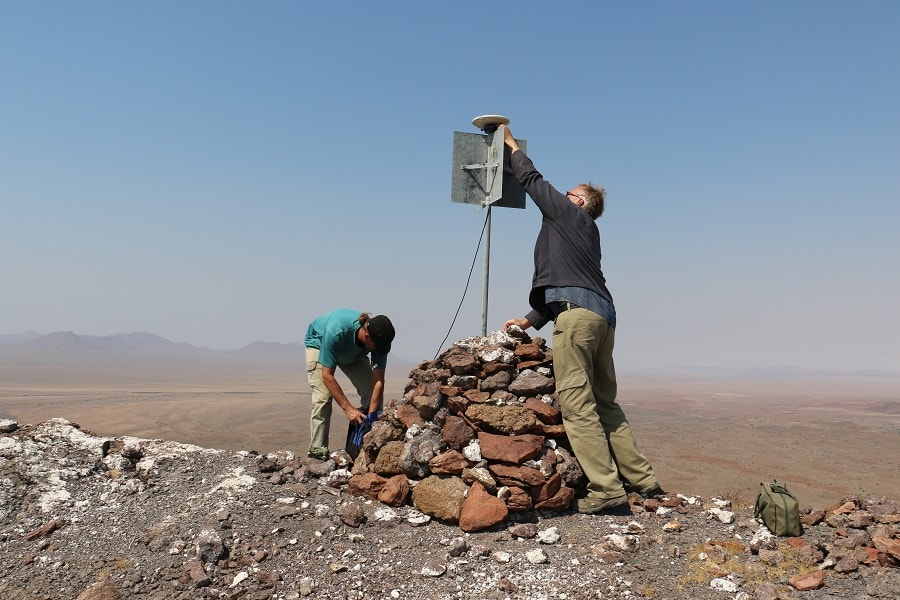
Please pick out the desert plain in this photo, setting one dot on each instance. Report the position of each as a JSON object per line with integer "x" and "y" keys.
{"x": 824, "y": 435}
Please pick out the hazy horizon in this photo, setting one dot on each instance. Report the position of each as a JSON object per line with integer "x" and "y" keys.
{"x": 276, "y": 353}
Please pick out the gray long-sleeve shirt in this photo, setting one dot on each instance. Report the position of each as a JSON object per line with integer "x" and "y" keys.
{"x": 567, "y": 251}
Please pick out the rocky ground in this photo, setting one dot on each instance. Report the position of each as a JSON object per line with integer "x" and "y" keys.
{"x": 103, "y": 518}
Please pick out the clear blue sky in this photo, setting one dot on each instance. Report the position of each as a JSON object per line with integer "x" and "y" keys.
{"x": 221, "y": 172}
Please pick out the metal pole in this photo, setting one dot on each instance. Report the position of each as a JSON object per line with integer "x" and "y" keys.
{"x": 487, "y": 270}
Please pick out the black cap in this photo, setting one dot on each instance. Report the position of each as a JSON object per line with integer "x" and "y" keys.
{"x": 381, "y": 330}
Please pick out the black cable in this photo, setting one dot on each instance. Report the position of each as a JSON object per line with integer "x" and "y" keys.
{"x": 472, "y": 268}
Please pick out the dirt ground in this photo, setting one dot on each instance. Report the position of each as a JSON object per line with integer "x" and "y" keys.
{"x": 824, "y": 437}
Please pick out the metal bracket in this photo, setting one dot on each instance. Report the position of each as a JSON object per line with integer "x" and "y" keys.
{"x": 491, "y": 168}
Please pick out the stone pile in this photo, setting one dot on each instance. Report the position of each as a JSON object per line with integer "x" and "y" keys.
{"x": 477, "y": 434}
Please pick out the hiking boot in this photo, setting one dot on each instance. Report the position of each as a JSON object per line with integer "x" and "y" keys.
{"x": 319, "y": 453}
{"x": 653, "y": 492}
{"x": 590, "y": 506}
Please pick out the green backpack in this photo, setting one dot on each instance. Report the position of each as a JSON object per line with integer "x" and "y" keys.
{"x": 778, "y": 509}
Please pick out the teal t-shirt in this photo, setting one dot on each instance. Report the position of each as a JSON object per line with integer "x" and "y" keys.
{"x": 334, "y": 334}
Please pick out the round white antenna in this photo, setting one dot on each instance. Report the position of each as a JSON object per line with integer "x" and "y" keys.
{"x": 489, "y": 123}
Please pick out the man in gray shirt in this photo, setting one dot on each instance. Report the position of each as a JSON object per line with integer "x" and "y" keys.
{"x": 569, "y": 288}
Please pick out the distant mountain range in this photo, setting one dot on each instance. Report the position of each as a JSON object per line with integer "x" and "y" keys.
{"x": 69, "y": 345}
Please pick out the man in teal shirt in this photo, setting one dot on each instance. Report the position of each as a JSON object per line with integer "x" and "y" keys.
{"x": 344, "y": 338}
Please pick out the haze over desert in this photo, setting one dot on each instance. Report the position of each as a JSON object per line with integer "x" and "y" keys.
{"x": 825, "y": 435}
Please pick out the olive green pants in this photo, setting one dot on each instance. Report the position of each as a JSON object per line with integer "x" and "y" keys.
{"x": 360, "y": 375}
{"x": 596, "y": 426}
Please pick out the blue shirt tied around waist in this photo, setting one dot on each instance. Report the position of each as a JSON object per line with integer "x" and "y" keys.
{"x": 584, "y": 298}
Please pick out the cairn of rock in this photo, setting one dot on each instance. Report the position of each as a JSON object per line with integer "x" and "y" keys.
{"x": 477, "y": 434}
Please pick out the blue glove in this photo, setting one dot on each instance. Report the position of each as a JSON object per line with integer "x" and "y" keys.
{"x": 363, "y": 427}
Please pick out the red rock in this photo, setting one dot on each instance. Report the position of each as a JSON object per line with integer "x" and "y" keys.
{"x": 545, "y": 413}
{"x": 546, "y": 490}
{"x": 457, "y": 404}
{"x": 514, "y": 449}
{"x": 523, "y": 530}
{"x": 505, "y": 585}
{"x": 45, "y": 529}
{"x": 268, "y": 578}
{"x": 395, "y": 491}
{"x": 519, "y": 500}
{"x": 104, "y": 590}
{"x": 529, "y": 364}
{"x": 529, "y": 352}
{"x": 887, "y": 545}
{"x": 495, "y": 367}
{"x": 450, "y": 462}
{"x": 650, "y": 504}
{"x": 457, "y": 433}
{"x": 560, "y": 501}
{"x": 450, "y": 390}
{"x": 804, "y": 583}
{"x": 812, "y": 518}
{"x": 196, "y": 573}
{"x": 409, "y": 416}
{"x": 459, "y": 361}
{"x": 516, "y": 475}
{"x": 555, "y": 431}
{"x": 860, "y": 520}
{"x": 481, "y": 510}
{"x": 476, "y": 397}
{"x": 412, "y": 390}
{"x": 844, "y": 509}
{"x": 351, "y": 514}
